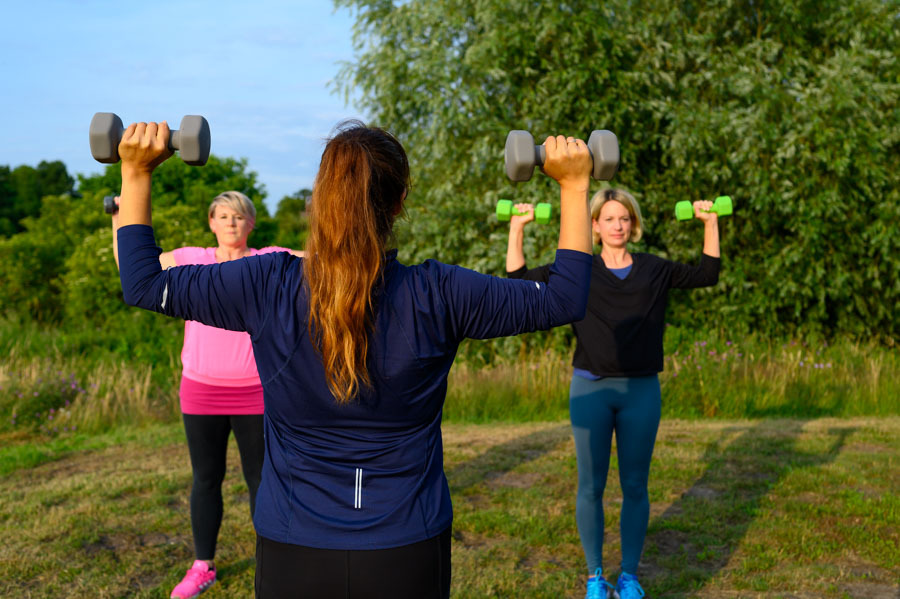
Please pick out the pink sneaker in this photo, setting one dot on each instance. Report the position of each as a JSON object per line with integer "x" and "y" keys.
{"x": 198, "y": 579}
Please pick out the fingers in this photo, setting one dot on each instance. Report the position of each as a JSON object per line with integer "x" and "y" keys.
{"x": 145, "y": 145}
{"x": 568, "y": 160}
{"x": 560, "y": 144}
{"x": 703, "y": 210}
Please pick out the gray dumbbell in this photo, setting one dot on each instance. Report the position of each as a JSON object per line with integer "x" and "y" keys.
{"x": 522, "y": 155}
{"x": 192, "y": 139}
{"x": 109, "y": 205}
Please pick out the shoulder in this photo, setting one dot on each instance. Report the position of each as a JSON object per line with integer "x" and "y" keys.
{"x": 645, "y": 260}
{"x": 268, "y": 250}
{"x": 437, "y": 277}
{"x": 194, "y": 255}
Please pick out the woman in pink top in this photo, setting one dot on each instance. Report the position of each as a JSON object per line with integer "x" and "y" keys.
{"x": 220, "y": 390}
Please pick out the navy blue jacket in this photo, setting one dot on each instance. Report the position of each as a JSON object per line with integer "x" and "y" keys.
{"x": 369, "y": 474}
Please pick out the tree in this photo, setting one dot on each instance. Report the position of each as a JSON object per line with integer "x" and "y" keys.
{"x": 791, "y": 107}
{"x": 60, "y": 269}
{"x": 291, "y": 221}
{"x": 23, "y": 188}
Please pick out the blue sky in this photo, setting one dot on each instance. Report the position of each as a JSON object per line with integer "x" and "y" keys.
{"x": 258, "y": 71}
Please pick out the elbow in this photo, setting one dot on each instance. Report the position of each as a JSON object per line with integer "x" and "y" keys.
{"x": 579, "y": 311}
{"x": 139, "y": 294}
{"x": 130, "y": 297}
{"x": 571, "y": 311}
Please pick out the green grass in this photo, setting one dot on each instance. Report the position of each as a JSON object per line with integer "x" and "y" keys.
{"x": 739, "y": 508}
{"x": 703, "y": 378}
{"x": 50, "y": 382}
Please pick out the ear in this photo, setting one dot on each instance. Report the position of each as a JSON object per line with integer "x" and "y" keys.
{"x": 595, "y": 225}
{"x": 399, "y": 207}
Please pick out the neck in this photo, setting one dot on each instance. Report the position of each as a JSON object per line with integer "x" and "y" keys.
{"x": 615, "y": 257}
{"x": 225, "y": 253}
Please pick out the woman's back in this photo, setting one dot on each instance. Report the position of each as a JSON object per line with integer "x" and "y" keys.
{"x": 340, "y": 472}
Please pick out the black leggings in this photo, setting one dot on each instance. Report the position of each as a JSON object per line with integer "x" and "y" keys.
{"x": 417, "y": 571}
{"x": 207, "y": 438}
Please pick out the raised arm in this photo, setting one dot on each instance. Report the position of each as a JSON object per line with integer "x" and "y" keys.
{"x": 515, "y": 256}
{"x": 569, "y": 163}
{"x": 567, "y": 159}
{"x": 702, "y": 211}
{"x": 143, "y": 148}
{"x": 166, "y": 259}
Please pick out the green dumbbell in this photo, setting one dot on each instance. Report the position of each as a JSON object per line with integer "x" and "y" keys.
{"x": 722, "y": 206}
{"x": 506, "y": 210}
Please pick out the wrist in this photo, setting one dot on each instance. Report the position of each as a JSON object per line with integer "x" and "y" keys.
{"x": 580, "y": 187}
{"x": 135, "y": 174}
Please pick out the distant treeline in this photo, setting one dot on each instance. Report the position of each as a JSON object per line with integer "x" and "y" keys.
{"x": 56, "y": 263}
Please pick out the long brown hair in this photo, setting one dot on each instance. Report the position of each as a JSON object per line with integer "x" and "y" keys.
{"x": 356, "y": 196}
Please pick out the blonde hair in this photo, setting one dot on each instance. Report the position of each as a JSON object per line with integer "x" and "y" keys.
{"x": 626, "y": 199}
{"x": 238, "y": 202}
{"x": 358, "y": 192}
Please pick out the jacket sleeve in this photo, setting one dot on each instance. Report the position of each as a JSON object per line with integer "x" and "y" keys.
{"x": 482, "y": 306}
{"x": 228, "y": 295}
{"x": 705, "y": 274}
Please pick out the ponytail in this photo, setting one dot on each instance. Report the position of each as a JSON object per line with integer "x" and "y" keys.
{"x": 356, "y": 196}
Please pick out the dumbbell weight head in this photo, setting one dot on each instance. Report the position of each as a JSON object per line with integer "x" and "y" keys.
{"x": 521, "y": 155}
{"x": 604, "y": 147}
{"x": 722, "y": 206}
{"x": 192, "y": 140}
{"x": 109, "y": 205}
{"x": 506, "y": 210}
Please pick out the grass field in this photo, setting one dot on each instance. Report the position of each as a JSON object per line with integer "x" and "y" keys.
{"x": 740, "y": 508}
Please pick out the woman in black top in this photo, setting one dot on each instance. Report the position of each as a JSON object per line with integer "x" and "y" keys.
{"x": 618, "y": 354}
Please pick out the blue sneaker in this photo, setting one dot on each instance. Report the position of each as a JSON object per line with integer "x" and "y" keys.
{"x": 598, "y": 588}
{"x": 628, "y": 587}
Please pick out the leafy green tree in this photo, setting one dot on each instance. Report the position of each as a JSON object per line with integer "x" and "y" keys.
{"x": 7, "y": 197}
{"x": 291, "y": 221}
{"x": 22, "y": 189}
{"x": 60, "y": 268}
{"x": 791, "y": 107}
{"x": 33, "y": 261}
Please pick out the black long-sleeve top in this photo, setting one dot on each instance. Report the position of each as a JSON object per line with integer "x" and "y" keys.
{"x": 622, "y": 332}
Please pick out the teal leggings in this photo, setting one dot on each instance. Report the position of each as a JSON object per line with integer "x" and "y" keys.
{"x": 630, "y": 407}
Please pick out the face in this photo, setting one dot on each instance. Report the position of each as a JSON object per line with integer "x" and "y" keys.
{"x": 231, "y": 228}
{"x": 613, "y": 225}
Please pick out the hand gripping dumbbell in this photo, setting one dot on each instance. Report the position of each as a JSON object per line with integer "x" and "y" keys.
{"x": 722, "y": 206}
{"x": 192, "y": 139}
{"x": 506, "y": 210}
{"x": 109, "y": 205}
{"x": 522, "y": 155}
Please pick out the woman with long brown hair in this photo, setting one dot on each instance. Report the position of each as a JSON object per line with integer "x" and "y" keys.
{"x": 353, "y": 349}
